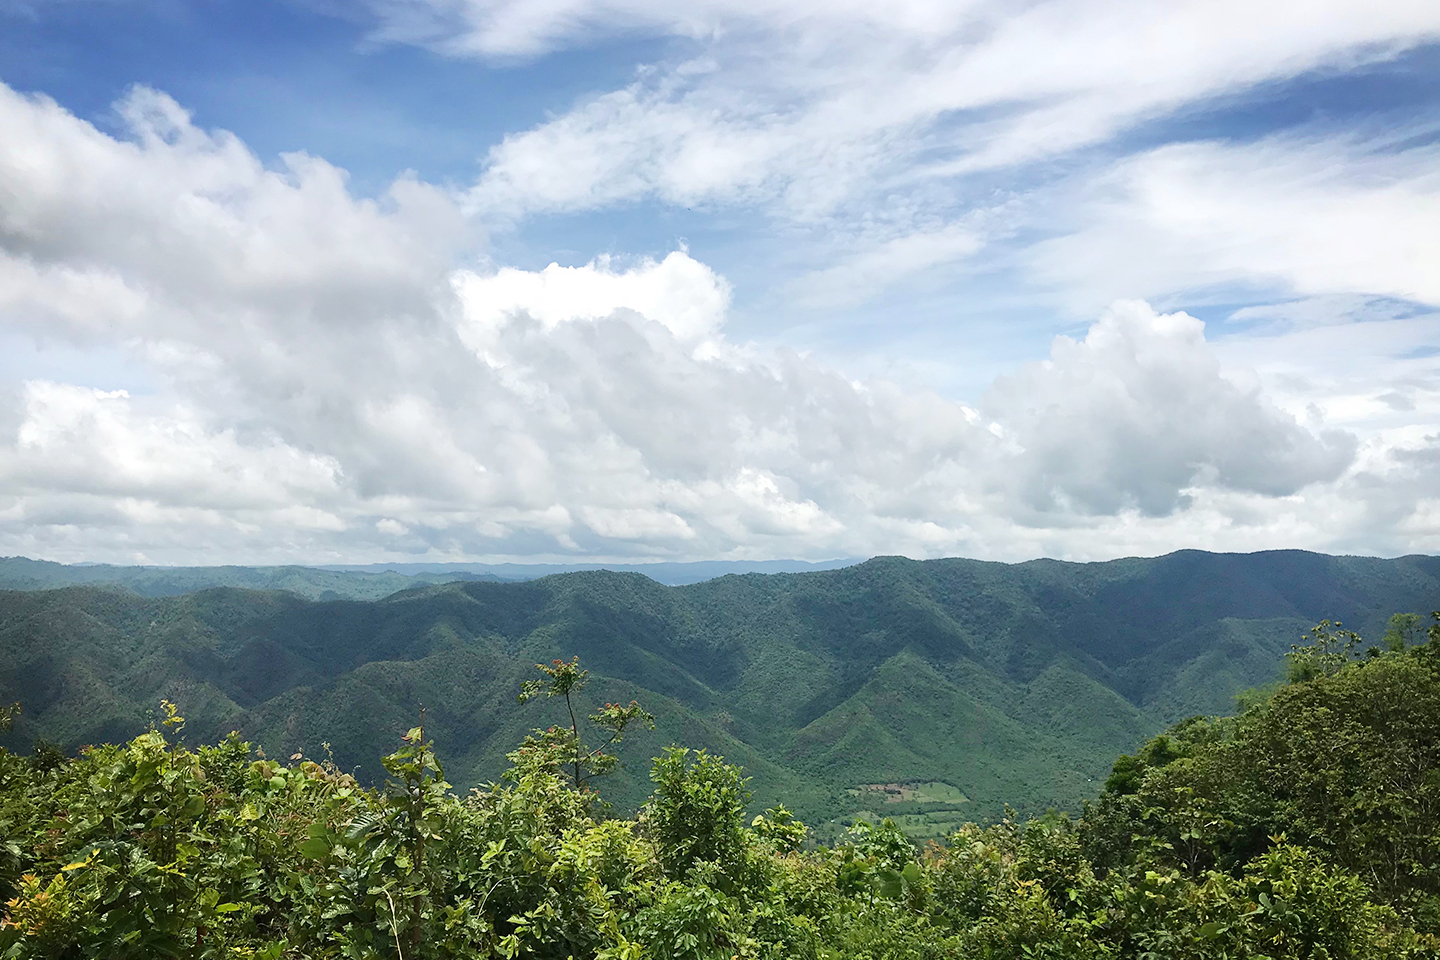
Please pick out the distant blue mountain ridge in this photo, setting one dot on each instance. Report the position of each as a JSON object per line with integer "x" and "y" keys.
{"x": 358, "y": 581}
{"x": 667, "y": 572}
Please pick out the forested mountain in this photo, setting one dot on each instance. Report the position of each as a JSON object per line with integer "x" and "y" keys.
{"x": 931, "y": 691}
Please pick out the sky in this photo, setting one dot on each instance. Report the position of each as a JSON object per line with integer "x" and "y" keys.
{"x": 317, "y": 281}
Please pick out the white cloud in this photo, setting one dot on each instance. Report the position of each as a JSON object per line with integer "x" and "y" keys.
{"x": 1347, "y": 370}
{"x": 1330, "y": 215}
{"x": 686, "y": 296}
{"x": 1139, "y": 413}
{"x": 321, "y": 393}
{"x": 869, "y": 271}
{"x": 1093, "y": 42}
{"x": 641, "y": 525}
{"x": 103, "y": 443}
{"x": 510, "y": 28}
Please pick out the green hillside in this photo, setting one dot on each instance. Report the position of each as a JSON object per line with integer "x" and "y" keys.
{"x": 1002, "y": 683}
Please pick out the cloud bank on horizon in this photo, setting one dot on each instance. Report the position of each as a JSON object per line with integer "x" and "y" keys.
{"x": 317, "y": 375}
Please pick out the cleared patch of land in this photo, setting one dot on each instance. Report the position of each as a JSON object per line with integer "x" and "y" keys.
{"x": 931, "y": 791}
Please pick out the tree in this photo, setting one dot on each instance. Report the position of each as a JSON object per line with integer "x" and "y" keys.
{"x": 1329, "y": 649}
{"x": 1404, "y": 630}
{"x": 565, "y": 747}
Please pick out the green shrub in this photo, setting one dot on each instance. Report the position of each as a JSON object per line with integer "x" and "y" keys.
{"x": 697, "y": 812}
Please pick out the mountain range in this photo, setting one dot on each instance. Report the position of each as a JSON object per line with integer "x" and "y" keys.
{"x": 931, "y": 691}
{"x": 355, "y": 582}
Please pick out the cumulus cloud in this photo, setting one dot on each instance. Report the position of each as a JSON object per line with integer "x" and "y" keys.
{"x": 1139, "y": 412}
{"x": 684, "y": 295}
{"x": 332, "y": 382}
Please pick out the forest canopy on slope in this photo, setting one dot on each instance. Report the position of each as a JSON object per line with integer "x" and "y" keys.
{"x": 930, "y": 692}
{"x": 1306, "y": 827}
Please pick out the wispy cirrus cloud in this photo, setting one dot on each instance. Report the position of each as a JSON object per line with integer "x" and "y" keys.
{"x": 877, "y": 130}
{"x": 1306, "y": 215}
{"x": 931, "y": 90}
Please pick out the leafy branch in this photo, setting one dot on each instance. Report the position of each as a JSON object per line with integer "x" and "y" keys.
{"x": 8, "y": 715}
{"x": 561, "y": 747}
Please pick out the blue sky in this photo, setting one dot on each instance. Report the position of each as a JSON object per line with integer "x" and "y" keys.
{"x": 285, "y": 76}
{"x": 280, "y": 272}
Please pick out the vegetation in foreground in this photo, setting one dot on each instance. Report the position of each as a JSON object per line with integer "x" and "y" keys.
{"x": 1306, "y": 827}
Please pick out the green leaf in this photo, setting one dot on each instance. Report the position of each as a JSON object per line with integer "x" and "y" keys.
{"x": 1212, "y": 929}
{"x": 889, "y": 883}
{"x": 314, "y": 848}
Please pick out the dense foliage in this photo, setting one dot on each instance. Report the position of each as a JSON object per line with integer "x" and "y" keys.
{"x": 931, "y": 693}
{"x": 1306, "y": 827}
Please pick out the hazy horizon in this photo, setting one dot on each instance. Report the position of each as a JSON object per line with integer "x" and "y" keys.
{"x": 832, "y": 563}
